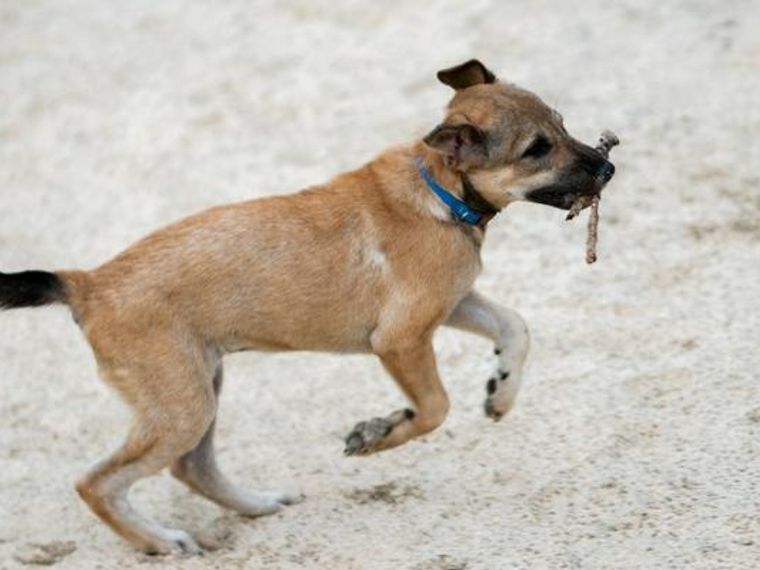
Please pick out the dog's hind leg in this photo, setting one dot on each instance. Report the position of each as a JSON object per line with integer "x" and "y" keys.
{"x": 198, "y": 470}
{"x": 412, "y": 365}
{"x": 173, "y": 409}
{"x": 509, "y": 333}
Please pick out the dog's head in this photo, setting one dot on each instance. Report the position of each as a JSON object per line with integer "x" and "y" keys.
{"x": 511, "y": 145}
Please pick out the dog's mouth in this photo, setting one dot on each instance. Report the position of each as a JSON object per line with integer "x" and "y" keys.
{"x": 554, "y": 195}
{"x": 573, "y": 185}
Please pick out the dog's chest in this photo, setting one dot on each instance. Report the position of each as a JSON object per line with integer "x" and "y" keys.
{"x": 440, "y": 265}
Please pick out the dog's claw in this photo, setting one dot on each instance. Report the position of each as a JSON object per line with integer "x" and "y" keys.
{"x": 185, "y": 543}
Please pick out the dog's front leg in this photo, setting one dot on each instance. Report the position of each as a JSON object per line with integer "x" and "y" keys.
{"x": 511, "y": 342}
{"x": 412, "y": 365}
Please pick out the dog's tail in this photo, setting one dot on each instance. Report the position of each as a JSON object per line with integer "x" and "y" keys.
{"x": 31, "y": 289}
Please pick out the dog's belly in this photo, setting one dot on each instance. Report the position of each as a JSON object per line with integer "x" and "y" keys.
{"x": 345, "y": 338}
{"x": 311, "y": 312}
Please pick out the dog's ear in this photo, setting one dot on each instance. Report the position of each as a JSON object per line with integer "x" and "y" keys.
{"x": 466, "y": 75}
{"x": 462, "y": 145}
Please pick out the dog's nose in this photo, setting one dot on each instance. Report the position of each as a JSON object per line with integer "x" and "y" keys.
{"x": 606, "y": 172}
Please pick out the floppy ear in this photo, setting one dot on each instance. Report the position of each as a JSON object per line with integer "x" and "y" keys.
{"x": 462, "y": 145}
{"x": 466, "y": 75}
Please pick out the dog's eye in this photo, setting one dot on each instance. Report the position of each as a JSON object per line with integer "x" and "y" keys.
{"x": 539, "y": 148}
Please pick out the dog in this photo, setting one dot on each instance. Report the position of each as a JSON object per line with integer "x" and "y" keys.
{"x": 373, "y": 261}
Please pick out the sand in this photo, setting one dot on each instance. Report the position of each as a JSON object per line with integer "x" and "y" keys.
{"x": 635, "y": 442}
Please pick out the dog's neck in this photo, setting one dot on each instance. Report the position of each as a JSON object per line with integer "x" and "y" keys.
{"x": 458, "y": 185}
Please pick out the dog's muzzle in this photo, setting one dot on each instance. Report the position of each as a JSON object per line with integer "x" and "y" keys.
{"x": 586, "y": 179}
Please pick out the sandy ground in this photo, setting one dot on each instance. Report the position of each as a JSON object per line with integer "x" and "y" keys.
{"x": 635, "y": 442}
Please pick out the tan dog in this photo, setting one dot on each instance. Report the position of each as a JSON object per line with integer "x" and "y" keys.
{"x": 373, "y": 261}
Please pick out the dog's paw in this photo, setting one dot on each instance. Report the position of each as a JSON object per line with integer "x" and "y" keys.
{"x": 500, "y": 395}
{"x": 173, "y": 541}
{"x": 367, "y": 437}
{"x": 290, "y": 497}
{"x": 364, "y": 437}
{"x": 273, "y": 501}
{"x": 258, "y": 504}
{"x": 491, "y": 411}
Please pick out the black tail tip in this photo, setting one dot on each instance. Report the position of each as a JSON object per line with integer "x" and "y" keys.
{"x": 30, "y": 289}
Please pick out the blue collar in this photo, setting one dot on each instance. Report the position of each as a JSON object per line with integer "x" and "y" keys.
{"x": 460, "y": 210}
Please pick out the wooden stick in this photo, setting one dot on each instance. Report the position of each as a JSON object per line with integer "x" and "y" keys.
{"x": 607, "y": 140}
{"x": 592, "y": 229}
